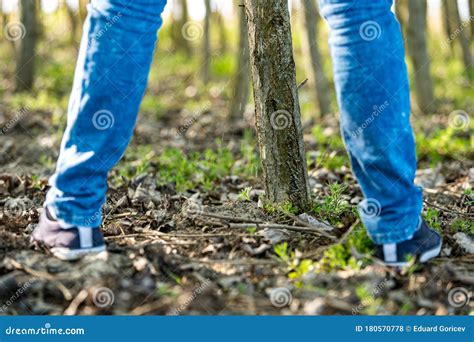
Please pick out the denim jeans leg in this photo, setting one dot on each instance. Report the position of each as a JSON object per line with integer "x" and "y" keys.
{"x": 115, "y": 55}
{"x": 373, "y": 95}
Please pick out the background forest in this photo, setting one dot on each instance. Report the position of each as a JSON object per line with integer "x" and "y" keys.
{"x": 187, "y": 229}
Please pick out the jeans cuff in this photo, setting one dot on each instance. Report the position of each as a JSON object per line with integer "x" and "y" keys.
{"x": 395, "y": 236}
{"x": 92, "y": 220}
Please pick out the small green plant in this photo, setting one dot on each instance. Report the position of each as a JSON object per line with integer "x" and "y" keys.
{"x": 462, "y": 225}
{"x": 137, "y": 161}
{"x": 303, "y": 267}
{"x": 244, "y": 194}
{"x": 340, "y": 256}
{"x": 296, "y": 268}
{"x": 469, "y": 197}
{"x": 164, "y": 290}
{"x": 36, "y": 182}
{"x": 432, "y": 218}
{"x": 286, "y": 207}
{"x": 282, "y": 251}
{"x": 333, "y": 205}
{"x": 187, "y": 172}
{"x": 369, "y": 303}
{"x": 249, "y": 165}
{"x": 252, "y": 230}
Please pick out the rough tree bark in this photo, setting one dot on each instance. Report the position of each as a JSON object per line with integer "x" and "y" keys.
{"x": 206, "y": 48}
{"x": 311, "y": 49}
{"x": 278, "y": 122}
{"x": 459, "y": 32}
{"x": 25, "y": 69}
{"x": 447, "y": 26}
{"x": 418, "y": 51}
{"x": 241, "y": 78}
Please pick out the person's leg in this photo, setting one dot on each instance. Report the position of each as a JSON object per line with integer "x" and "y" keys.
{"x": 111, "y": 75}
{"x": 373, "y": 94}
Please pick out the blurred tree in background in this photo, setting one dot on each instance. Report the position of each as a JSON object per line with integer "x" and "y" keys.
{"x": 25, "y": 70}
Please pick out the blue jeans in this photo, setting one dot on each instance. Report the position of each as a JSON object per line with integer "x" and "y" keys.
{"x": 371, "y": 85}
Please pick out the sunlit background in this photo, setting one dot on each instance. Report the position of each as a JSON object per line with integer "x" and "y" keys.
{"x": 197, "y": 10}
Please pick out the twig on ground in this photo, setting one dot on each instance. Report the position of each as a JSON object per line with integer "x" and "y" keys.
{"x": 228, "y": 218}
{"x": 281, "y": 226}
{"x": 448, "y": 210}
{"x": 43, "y": 275}
{"x": 71, "y": 310}
{"x": 259, "y": 224}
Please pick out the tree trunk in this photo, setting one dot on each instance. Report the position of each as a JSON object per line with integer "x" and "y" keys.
{"x": 448, "y": 29}
{"x": 180, "y": 42}
{"x": 401, "y": 10}
{"x": 471, "y": 19}
{"x": 184, "y": 19}
{"x": 219, "y": 19}
{"x": 418, "y": 51}
{"x": 459, "y": 33}
{"x": 3, "y": 17}
{"x": 206, "y": 48}
{"x": 241, "y": 78}
{"x": 311, "y": 49}
{"x": 278, "y": 122}
{"x": 25, "y": 70}
{"x": 83, "y": 10}
{"x": 73, "y": 21}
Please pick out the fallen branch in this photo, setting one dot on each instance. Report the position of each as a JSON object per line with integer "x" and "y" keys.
{"x": 248, "y": 223}
{"x": 448, "y": 210}
{"x": 43, "y": 275}
{"x": 281, "y": 226}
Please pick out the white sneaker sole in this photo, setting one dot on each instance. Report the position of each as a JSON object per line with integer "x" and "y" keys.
{"x": 430, "y": 254}
{"x": 68, "y": 254}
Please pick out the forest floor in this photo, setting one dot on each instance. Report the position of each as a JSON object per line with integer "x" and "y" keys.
{"x": 187, "y": 232}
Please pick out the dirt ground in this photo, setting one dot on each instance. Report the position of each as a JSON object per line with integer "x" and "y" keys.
{"x": 207, "y": 252}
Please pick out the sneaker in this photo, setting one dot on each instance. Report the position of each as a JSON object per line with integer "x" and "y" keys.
{"x": 66, "y": 243}
{"x": 425, "y": 244}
